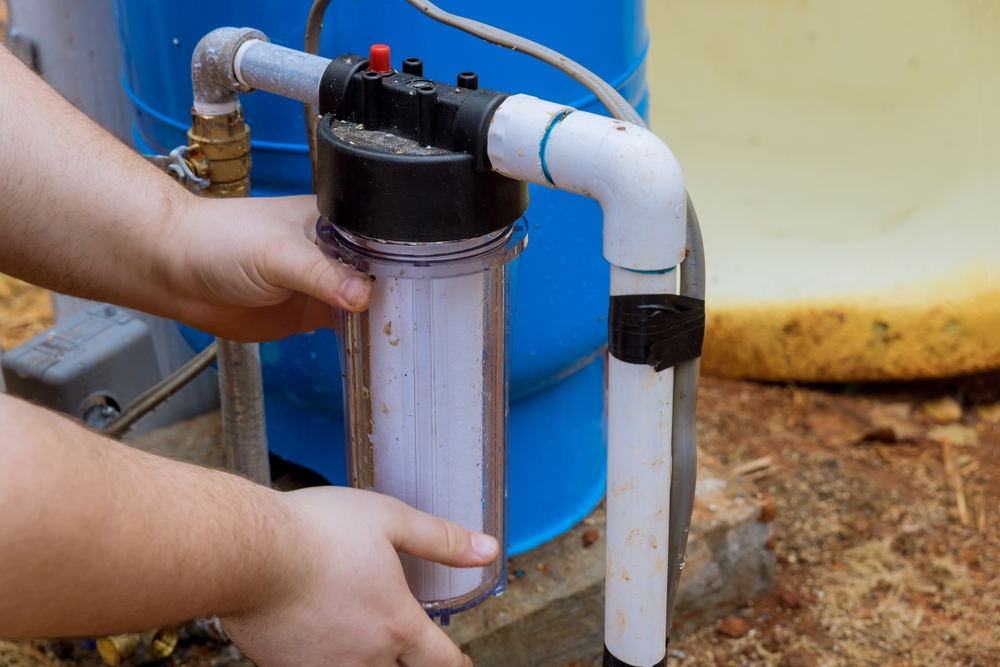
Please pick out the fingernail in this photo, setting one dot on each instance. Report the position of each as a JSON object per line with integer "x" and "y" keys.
{"x": 484, "y": 545}
{"x": 352, "y": 289}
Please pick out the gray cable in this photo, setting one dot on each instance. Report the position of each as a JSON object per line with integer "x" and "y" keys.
{"x": 160, "y": 392}
{"x": 608, "y": 96}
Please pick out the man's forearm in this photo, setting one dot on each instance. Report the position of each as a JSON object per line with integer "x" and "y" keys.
{"x": 83, "y": 214}
{"x": 96, "y": 537}
{"x": 80, "y": 212}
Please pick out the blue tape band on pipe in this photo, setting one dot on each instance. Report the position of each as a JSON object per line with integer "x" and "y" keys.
{"x": 658, "y": 272}
{"x": 545, "y": 142}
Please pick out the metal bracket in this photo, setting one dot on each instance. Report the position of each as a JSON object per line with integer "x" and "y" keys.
{"x": 186, "y": 165}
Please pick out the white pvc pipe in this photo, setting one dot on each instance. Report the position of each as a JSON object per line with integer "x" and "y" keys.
{"x": 626, "y": 168}
{"x": 283, "y": 71}
{"x": 640, "y": 412}
{"x": 637, "y": 181}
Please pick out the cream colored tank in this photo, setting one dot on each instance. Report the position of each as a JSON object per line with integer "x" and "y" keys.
{"x": 844, "y": 156}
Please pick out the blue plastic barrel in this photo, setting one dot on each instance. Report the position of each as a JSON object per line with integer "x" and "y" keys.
{"x": 558, "y": 442}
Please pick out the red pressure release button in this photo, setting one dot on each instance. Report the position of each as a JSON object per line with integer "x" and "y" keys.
{"x": 378, "y": 59}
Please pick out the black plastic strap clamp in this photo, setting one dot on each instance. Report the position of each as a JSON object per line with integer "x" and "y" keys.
{"x": 660, "y": 330}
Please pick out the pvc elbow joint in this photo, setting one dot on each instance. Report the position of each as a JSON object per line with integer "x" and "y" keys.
{"x": 626, "y": 168}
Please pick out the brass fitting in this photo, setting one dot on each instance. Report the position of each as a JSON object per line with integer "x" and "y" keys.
{"x": 116, "y": 649}
{"x": 150, "y": 646}
{"x": 197, "y": 162}
{"x": 225, "y": 142}
{"x": 160, "y": 642}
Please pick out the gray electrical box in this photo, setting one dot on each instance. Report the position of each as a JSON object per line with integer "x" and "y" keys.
{"x": 90, "y": 366}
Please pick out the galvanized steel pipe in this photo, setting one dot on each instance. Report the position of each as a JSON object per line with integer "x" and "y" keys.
{"x": 276, "y": 69}
{"x": 218, "y": 128}
{"x": 243, "y": 428}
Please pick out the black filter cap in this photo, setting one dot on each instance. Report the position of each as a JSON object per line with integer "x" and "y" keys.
{"x": 404, "y": 158}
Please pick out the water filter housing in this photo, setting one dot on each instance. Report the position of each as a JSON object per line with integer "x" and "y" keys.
{"x": 408, "y": 196}
{"x": 426, "y": 371}
{"x": 559, "y": 315}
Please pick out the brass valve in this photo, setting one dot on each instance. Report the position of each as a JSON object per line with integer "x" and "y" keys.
{"x": 225, "y": 142}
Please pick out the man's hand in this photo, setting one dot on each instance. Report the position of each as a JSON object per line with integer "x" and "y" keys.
{"x": 83, "y": 214}
{"x": 350, "y": 604}
{"x": 249, "y": 269}
{"x": 99, "y": 538}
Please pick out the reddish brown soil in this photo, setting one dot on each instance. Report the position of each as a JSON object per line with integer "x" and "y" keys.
{"x": 874, "y": 564}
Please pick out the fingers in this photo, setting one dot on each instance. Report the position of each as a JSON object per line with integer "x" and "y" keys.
{"x": 304, "y": 268}
{"x": 298, "y": 314}
{"x": 434, "y": 539}
{"x": 347, "y": 289}
{"x": 431, "y": 647}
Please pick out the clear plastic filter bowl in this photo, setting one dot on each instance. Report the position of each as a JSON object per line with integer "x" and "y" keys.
{"x": 425, "y": 385}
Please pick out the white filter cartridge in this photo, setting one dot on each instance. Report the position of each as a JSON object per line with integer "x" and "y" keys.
{"x": 427, "y": 346}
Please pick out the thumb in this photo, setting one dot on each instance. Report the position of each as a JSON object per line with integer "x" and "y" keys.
{"x": 303, "y": 267}
{"x": 439, "y": 540}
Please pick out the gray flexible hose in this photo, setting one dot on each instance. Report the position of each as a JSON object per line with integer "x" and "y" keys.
{"x": 684, "y": 450}
{"x": 314, "y": 29}
{"x": 692, "y": 280}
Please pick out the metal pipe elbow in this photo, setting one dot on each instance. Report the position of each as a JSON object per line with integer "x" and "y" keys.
{"x": 213, "y": 79}
{"x": 626, "y": 168}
